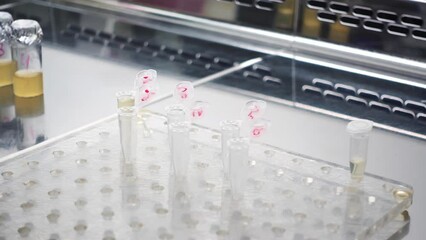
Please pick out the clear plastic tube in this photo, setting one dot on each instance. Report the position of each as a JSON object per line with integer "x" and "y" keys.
{"x": 26, "y": 51}
{"x": 7, "y": 65}
{"x": 180, "y": 148}
{"x": 128, "y": 138}
{"x": 238, "y": 163}
{"x": 359, "y": 131}
{"x": 125, "y": 99}
{"x": 229, "y": 129}
{"x": 175, "y": 114}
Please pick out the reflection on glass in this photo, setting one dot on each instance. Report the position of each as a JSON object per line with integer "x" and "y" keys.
{"x": 30, "y": 121}
{"x": 7, "y": 121}
{"x": 339, "y": 33}
{"x": 311, "y": 25}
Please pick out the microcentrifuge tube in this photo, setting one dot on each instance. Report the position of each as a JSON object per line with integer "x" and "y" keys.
{"x": 176, "y": 113}
{"x": 359, "y": 131}
{"x": 7, "y": 66}
{"x": 179, "y": 148}
{"x": 128, "y": 138}
{"x": 229, "y": 129}
{"x": 125, "y": 99}
{"x": 238, "y": 164}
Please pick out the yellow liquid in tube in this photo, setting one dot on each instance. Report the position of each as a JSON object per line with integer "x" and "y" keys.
{"x": 7, "y": 69}
{"x": 28, "y": 83}
{"x": 357, "y": 166}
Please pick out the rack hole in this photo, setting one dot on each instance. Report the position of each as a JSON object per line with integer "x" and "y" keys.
{"x": 327, "y": 16}
{"x": 339, "y": 7}
{"x": 316, "y": 4}
{"x": 398, "y": 30}
{"x": 264, "y": 5}
{"x": 373, "y": 25}
{"x": 387, "y": 16}
{"x": 412, "y": 21}
{"x": 419, "y": 34}
{"x": 349, "y": 21}
{"x": 363, "y": 12}
{"x": 244, "y": 3}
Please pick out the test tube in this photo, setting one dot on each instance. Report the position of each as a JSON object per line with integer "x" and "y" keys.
{"x": 175, "y": 114}
{"x": 179, "y": 148}
{"x": 128, "y": 138}
{"x": 229, "y": 129}
{"x": 7, "y": 65}
{"x": 125, "y": 99}
{"x": 26, "y": 51}
{"x": 238, "y": 163}
{"x": 359, "y": 131}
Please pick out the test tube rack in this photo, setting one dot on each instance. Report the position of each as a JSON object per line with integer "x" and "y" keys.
{"x": 71, "y": 188}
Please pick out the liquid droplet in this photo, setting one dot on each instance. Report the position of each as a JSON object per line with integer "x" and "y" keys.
{"x": 27, "y": 205}
{"x": 160, "y": 210}
{"x": 58, "y": 154}
{"x": 308, "y": 181}
{"x": 288, "y": 193}
{"x": 81, "y": 144}
{"x": 80, "y": 181}
{"x": 325, "y": 169}
{"x": 319, "y": 203}
{"x": 81, "y": 162}
{"x": 216, "y": 138}
{"x": 332, "y": 228}
{"x": 80, "y": 203}
{"x": 299, "y": 217}
{"x": 7, "y": 175}
{"x": 53, "y": 216}
{"x": 25, "y": 230}
{"x": 278, "y": 231}
{"x": 107, "y": 213}
{"x": 269, "y": 153}
{"x": 157, "y": 187}
{"x": 106, "y": 190}
{"x": 56, "y": 172}
{"x": 32, "y": 164}
{"x": 30, "y": 183}
{"x": 154, "y": 168}
{"x": 104, "y": 134}
{"x": 136, "y": 225}
{"x": 133, "y": 201}
{"x": 201, "y": 165}
{"x": 54, "y": 193}
{"x": 104, "y": 152}
{"x": 80, "y": 228}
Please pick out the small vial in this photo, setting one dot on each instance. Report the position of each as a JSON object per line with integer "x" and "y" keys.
{"x": 180, "y": 148}
{"x": 26, "y": 51}
{"x": 359, "y": 131}
{"x": 229, "y": 129}
{"x": 175, "y": 114}
{"x": 128, "y": 137}
{"x": 7, "y": 65}
{"x": 125, "y": 99}
{"x": 238, "y": 164}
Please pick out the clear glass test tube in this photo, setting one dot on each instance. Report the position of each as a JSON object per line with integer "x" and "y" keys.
{"x": 26, "y": 51}
{"x": 180, "y": 148}
{"x": 238, "y": 164}
{"x": 125, "y": 99}
{"x": 128, "y": 138}
{"x": 7, "y": 65}
{"x": 229, "y": 129}
{"x": 359, "y": 131}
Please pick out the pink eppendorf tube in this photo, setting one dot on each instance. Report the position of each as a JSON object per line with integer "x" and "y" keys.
{"x": 238, "y": 164}
{"x": 180, "y": 148}
{"x": 229, "y": 129}
{"x": 128, "y": 138}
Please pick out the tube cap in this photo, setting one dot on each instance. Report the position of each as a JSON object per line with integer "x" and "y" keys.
{"x": 26, "y": 32}
{"x": 5, "y": 29}
{"x": 359, "y": 126}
